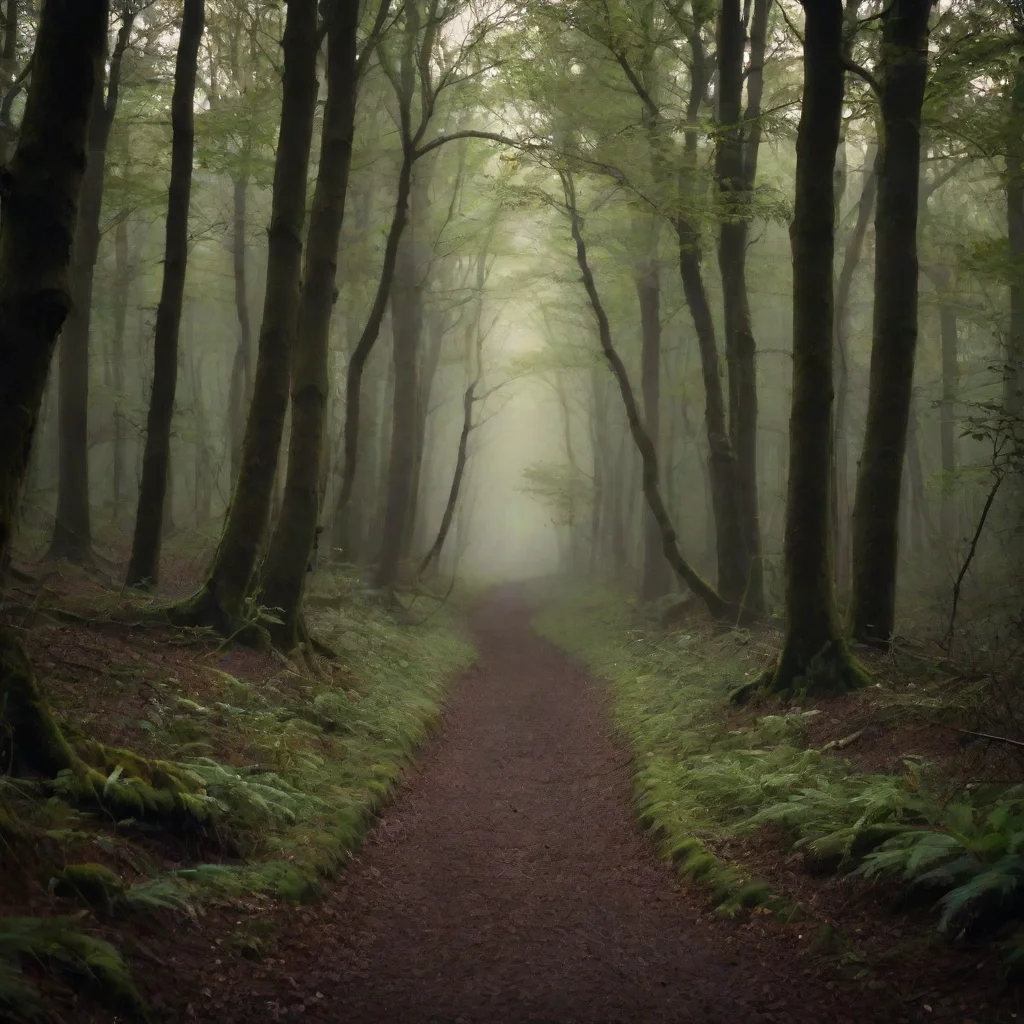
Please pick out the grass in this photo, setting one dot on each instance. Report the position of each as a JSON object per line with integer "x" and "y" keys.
{"x": 708, "y": 774}
{"x": 292, "y": 759}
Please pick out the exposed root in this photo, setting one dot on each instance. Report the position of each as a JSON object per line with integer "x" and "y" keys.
{"x": 831, "y": 670}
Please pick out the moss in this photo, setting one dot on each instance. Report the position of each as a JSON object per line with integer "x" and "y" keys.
{"x": 831, "y": 671}
{"x": 93, "y": 884}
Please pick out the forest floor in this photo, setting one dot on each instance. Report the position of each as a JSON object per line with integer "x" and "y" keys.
{"x": 509, "y": 882}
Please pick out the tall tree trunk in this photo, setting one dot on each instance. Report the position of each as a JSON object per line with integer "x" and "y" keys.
{"x": 730, "y": 545}
{"x": 240, "y": 386}
{"x": 814, "y": 655}
{"x": 735, "y": 184}
{"x": 143, "y": 565}
{"x": 42, "y": 185}
{"x": 904, "y": 72}
{"x": 220, "y": 602}
{"x": 406, "y": 328}
{"x": 716, "y": 605}
{"x": 294, "y": 536}
{"x": 72, "y": 534}
{"x": 654, "y": 581}
{"x": 844, "y": 287}
{"x": 122, "y": 285}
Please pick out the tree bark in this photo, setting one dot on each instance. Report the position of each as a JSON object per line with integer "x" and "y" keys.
{"x": 220, "y": 602}
{"x": 72, "y": 534}
{"x": 122, "y": 285}
{"x": 654, "y": 581}
{"x": 904, "y": 71}
{"x": 406, "y": 328}
{"x": 143, "y": 565}
{"x": 294, "y": 536}
{"x": 814, "y": 655}
{"x": 844, "y": 287}
{"x": 43, "y": 184}
{"x": 240, "y": 386}
{"x": 735, "y": 184}
{"x": 716, "y": 605}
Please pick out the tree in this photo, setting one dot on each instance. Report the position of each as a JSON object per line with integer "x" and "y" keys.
{"x": 814, "y": 653}
{"x": 904, "y": 71}
{"x": 291, "y": 544}
{"x": 144, "y": 562}
{"x": 42, "y": 189}
{"x": 220, "y": 601}
{"x": 72, "y": 535}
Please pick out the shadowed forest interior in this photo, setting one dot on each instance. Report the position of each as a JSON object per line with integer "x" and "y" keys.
{"x": 550, "y": 378}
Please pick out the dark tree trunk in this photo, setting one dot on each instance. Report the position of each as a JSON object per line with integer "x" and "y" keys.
{"x": 144, "y": 563}
{"x": 735, "y": 183}
{"x": 814, "y": 655}
{"x": 220, "y": 602}
{"x": 904, "y": 71}
{"x": 1013, "y": 377}
{"x": 716, "y": 605}
{"x": 42, "y": 186}
{"x": 844, "y": 286}
{"x": 72, "y": 534}
{"x": 122, "y": 286}
{"x": 291, "y": 545}
{"x": 722, "y": 469}
{"x": 240, "y": 386}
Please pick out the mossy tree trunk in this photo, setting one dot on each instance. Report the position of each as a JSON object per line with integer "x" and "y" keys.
{"x": 876, "y": 506}
{"x": 143, "y": 565}
{"x": 291, "y": 544}
{"x": 220, "y": 602}
{"x": 43, "y": 189}
{"x": 814, "y": 654}
{"x": 716, "y": 605}
{"x": 72, "y": 534}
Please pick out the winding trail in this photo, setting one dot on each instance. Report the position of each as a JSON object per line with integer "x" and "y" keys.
{"x": 509, "y": 884}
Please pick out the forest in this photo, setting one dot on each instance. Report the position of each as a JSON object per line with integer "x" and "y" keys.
{"x": 511, "y": 511}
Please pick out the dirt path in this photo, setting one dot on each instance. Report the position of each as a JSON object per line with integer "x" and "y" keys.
{"x": 510, "y": 885}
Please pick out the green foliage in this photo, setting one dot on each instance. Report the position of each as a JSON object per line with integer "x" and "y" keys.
{"x": 704, "y": 774}
{"x": 976, "y": 855}
{"x": 59, "y": 942}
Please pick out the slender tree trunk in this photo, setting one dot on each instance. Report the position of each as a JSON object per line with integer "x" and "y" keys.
{"x": 360, "y": 354}
{"x": 1013, "y": 378}
{"x": 220, "y": 602}
{"x": 722, "y": 469}
{"x": 72, "y": 534}
{"x": 240, "y": 386}
{"x": 654, "y": 580}
{"x": 844, "y": 287}
{"x": 735, "y": 184}
{"x": 406, "y": 328}
{"x": 291, "y": 545}
{"x": 143, "y": 566}
{"x": 716, "y": 605}
{"x": 122, "y": 286}
{"x": 814, "y": 655}
{"x": 904, "y": 71}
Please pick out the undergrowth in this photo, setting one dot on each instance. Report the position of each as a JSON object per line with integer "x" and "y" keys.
{"x": 707, "y": 773}
{"x": 285, "y": 773}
